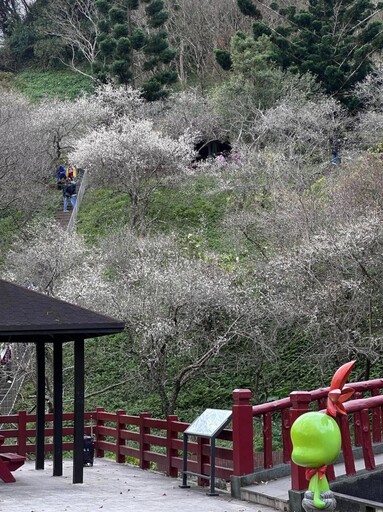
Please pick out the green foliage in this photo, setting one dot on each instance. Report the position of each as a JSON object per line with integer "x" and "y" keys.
{"x": 309, "y": 40}
{"x": 61, "y": 84}
{"x": 117, "y": 15}
{"x": 103, "y": 6}
{"x": 121, "y": 30}
{"x": 138, "y": 38}
{"x": 123, "y": 35}
{"x": 247, "y": 8}
{"x": 102, "y": 211}
{"x": 123, "y": 45}
{"x": 154, "y": 7}
{"x": 223, "y": 58}
{"x": 21, "y": 42}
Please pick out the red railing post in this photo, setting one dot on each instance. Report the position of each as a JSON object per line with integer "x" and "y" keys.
{"x": 299, "y": 405}
{"x": 243, "y": 445}
{"x": 267, "y": 440}
{"x": 376, "y": 420}
{"x": 287, "y": 444}
{"x": 120, "y": 458}
{"x": 170, "y": 451}
{"x": 22, "y": 433}
{"x": 357, "y": 423}
{"x": 144, "y": 446}
{"x": 98, "y": 436}
{"x": 368, "y": 453}
{"x": 348, "y": 454}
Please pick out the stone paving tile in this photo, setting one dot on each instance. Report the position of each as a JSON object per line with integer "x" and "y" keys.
{"x": 110, "y": 487}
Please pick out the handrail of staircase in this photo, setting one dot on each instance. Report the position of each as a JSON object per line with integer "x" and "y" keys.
{"x": 80, "y": 194}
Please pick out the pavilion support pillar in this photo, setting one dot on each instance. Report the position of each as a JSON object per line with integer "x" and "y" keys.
{"x": 40, "y": 405}
{"x": 58, "y": 408}
{"x": 79, "y": 387}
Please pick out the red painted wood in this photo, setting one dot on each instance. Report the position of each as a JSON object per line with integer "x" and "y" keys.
{"x": 348, "y": 455}
{"x": 99, "y": 437}
{"x": 171, "y": 451}
{"x": 120, "y": 429}
{"x": 144, "y": 446}
{"x": 286, "y": 439}
{"x": 330, "y": 473}
{"x": 22, "y": 433}
{"x": 376, "y": 420}
{"x": 368, "y": 454}
{"x": 120, "y": 441}
{"x": 242, "y": 421}
{"x": 267, "y": 441}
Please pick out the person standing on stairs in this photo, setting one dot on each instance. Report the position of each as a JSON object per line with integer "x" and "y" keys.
{"x": 69, "y": 192}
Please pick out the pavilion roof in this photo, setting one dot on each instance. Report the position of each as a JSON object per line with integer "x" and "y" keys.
{"x": 30, "y": 316}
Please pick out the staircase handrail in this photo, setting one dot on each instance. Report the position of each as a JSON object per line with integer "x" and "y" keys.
{"x": 80, "y": 194}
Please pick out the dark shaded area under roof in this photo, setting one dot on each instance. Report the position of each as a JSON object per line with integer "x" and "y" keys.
{"x": 29, "y": 316}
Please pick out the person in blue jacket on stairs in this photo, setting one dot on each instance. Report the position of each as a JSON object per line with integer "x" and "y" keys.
{"x": 69, "y": 192}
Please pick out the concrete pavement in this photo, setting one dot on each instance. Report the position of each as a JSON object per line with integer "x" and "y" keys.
{"x": 110, "y": 487}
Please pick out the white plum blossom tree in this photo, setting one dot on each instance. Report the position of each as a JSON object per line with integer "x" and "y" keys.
{"x": 180, "y": 313}
{"x": 21, "y": 155}
{"x": 329, "y": 290}
{"x": 50, "y": 260}
{"x": 59, "y": 122}
{"x": 133, "y": 158}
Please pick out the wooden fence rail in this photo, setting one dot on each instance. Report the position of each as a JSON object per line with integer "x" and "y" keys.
{"x": 158, "y": 443}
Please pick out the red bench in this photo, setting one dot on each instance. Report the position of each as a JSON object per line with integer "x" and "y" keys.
{"x": 9, "y": 462}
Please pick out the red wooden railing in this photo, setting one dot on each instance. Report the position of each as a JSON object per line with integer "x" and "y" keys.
{"x": 151, "y": 442}
{"x": 142, "y": 440}
{"x": 365, "y": 429}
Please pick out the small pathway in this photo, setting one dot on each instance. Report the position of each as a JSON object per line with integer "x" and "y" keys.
{"x": 61, "y": 217}
{"x": 110, "y": 487}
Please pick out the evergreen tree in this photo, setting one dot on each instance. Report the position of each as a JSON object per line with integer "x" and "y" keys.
{"x": 333, "y": 39}
{"x": 129, "y": 40}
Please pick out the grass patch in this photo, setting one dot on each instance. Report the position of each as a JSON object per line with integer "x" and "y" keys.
{"x": 194, "y": 211}
{"x": 61, "y": 84}
{"x": 195, "y": 208}
{"x": 102, "y": 210}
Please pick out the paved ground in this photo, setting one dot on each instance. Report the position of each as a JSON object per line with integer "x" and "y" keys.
{"x": 110, "y": 487}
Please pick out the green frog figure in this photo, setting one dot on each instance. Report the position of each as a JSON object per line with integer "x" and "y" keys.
{"x": 317, "y": 440}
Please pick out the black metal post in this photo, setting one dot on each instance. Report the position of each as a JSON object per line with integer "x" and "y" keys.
{"x": 79, "y": 386}
{"x": 212, "y": 468}
{"x": 185, "y": 463}
{"x": 40, "y": 405}
{"x": 58, "y": 408}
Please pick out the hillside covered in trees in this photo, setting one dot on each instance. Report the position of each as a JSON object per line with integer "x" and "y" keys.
{"x": 260, "y": 269}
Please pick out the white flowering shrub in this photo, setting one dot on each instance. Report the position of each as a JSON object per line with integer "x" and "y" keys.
{"x": 58, "y": 123}
{"x": 134, "y": 158}
{"x": 50, "y": 260}
{"x": 180, "y": 313}
{"x": 329, "y": 289}
{"x": 23, "y": 157}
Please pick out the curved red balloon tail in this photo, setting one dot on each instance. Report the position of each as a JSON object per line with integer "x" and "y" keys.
{"x": 337, "y": 395}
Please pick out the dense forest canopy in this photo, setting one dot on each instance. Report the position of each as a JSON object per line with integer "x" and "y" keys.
{"x": 257, "y": 268}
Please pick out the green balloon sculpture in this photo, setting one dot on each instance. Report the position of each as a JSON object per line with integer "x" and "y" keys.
{"x": 317, "y": 441}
